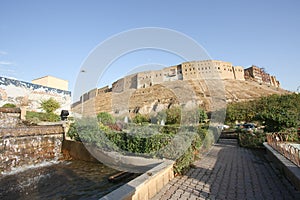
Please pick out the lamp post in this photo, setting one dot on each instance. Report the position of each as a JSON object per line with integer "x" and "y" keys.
{"x": 82, "y": 96}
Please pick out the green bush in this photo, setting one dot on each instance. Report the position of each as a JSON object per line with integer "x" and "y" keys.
{"x": 184, "y": 162}
{"x": 9, "y": 105}
{"x": 73, "y": 133}
{"x": 35, "y": 117}
{"x": 105, "y": 118}
{"x": 276, "y": 112}
{"x": 174, "y": 115}
{"x": 147, "y": 140}
{"x": 50, "y": 105}
{"x": 252, "y": 140}
{"x": 139, "y": 118}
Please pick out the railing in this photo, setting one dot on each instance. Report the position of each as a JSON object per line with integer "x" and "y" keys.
{"x": 279, "y": 142}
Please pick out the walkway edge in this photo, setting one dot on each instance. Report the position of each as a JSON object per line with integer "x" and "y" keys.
{"x": 289, "y": 169}
{"x": 146, "y": 185}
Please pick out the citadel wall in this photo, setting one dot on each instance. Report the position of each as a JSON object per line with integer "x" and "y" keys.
{"x": 186, "y": 71}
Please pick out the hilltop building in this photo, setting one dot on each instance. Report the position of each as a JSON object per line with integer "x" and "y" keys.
{"x": 53, "y": 82}
{"x": 259, "y": 75}
{"x": 194, "y": 70}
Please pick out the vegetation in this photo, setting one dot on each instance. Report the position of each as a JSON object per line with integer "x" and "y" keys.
{"x": 150, "y": 140}
{"x": 276, "y": 112}
{"x": 254, "y": 140}
{"x": 173, "y": 115}
{"x": 36, "y": 117}
{"x": 9, "y": 105}
{"x": 139, "y": 118}
{"x": 106, "y": 118}
{"x": 49, "y": 106}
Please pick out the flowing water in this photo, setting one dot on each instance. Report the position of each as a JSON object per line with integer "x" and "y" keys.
{"x": 64, "y": 180}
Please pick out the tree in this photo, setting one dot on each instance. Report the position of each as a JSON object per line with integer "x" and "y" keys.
{"x": 50, "y": 105}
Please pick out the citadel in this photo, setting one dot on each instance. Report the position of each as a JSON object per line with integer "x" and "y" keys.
{"x": 194, "y": 70}
{"x": 145, "y": 90}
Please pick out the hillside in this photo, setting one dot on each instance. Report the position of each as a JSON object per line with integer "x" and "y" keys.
{"x": 147, "y": 100}
{"x": 154, "y": 98}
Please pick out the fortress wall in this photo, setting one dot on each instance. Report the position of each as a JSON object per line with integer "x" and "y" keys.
{"x": 239, "y": 73}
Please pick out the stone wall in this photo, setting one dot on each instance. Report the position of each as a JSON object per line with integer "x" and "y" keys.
{"x": 10, "y": 117}
{"x": 25, "y": 146}
{"x": 23, "y": 93}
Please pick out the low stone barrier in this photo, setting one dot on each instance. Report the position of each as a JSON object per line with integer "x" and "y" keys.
{"x": 289, "y": 169}
{"x": 145, "y": 186}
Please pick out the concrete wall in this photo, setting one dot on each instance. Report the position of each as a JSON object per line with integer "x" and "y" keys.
{"x": 27, "y": 94}
{"x": 24, "y": 146}
{"x": 53, "y": 82}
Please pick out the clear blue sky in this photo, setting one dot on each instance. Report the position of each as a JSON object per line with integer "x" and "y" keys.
{"x": 53, "y": 37}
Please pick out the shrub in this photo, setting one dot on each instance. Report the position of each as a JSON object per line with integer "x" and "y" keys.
{"x": 35, "y": 117}
{"x": 173, "y": 115}
{"x": 252, "y": 140}
{"x": 202, "y": 115}
{"x": 73, "y": 133}
{"x": 105, "y": 118}
{"x": 50, "y": 105}
{"x": 9, "y": 105}
{"x": 139, "y": 118}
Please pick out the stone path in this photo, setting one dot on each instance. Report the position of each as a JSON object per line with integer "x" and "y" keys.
{"x": 230, "y": 172}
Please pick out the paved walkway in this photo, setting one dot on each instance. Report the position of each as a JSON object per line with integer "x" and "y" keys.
{"x": 230, "y": 172}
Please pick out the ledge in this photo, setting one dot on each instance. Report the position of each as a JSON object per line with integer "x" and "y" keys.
{"x": 289, "y": 169}
{"x": 145, "y": 186}
{"x": 10, "y": 110}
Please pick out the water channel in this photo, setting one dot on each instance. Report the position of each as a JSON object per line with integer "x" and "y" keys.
{"x": 63, "y": 180}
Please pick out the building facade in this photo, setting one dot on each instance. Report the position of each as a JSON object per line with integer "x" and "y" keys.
{"x": 27, "y": 94}
{"x": 53, "y": 82}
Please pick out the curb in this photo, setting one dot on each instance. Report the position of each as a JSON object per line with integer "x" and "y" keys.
{"x": 145, "y": 186}
{"x": 289, "y": 169}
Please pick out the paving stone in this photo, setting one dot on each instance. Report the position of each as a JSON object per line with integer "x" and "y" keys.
{"x": 230, "y": 172}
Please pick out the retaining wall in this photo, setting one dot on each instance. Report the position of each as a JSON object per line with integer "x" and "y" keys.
{"x": 29, "y": 145}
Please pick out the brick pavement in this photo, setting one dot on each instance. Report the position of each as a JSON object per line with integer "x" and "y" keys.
{"x": 230, "y": 172}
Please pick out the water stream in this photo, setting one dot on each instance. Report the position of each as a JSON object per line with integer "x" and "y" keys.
{"x": 64, "y": 180}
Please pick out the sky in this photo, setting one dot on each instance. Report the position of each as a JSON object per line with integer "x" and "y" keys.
{"x": 55, "y": 37}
